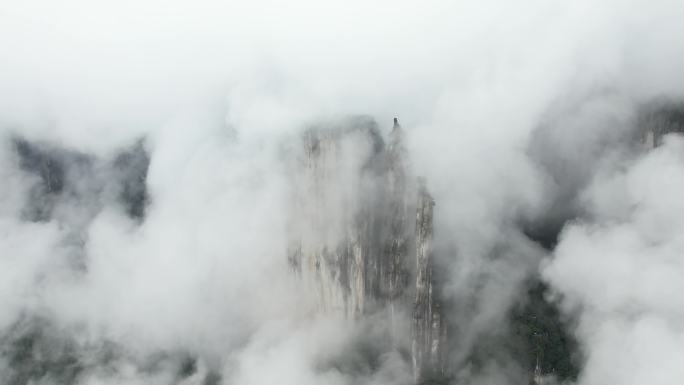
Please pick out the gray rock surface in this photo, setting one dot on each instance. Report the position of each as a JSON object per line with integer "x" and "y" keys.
{"x": 355, "y": 241}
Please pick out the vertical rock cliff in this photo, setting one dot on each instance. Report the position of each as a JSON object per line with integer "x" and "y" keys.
{"x": 659, "y": 119}
{"x": 429, "y": 327}
{"x": 354, "y": 239}
{"x": 337, "y": 220}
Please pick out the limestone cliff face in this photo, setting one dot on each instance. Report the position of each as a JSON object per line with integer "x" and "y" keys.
{"x": 659, "y": 119}
{"x": 429, "y": 326}
{"x": 336, "y": 223}
{"x": 362, "y": 233}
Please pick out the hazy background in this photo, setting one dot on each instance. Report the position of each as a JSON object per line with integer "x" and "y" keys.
{"x": 515, "y": 113}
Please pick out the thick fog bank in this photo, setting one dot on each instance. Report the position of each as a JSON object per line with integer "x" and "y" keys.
{"x": 214, "y": 192}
